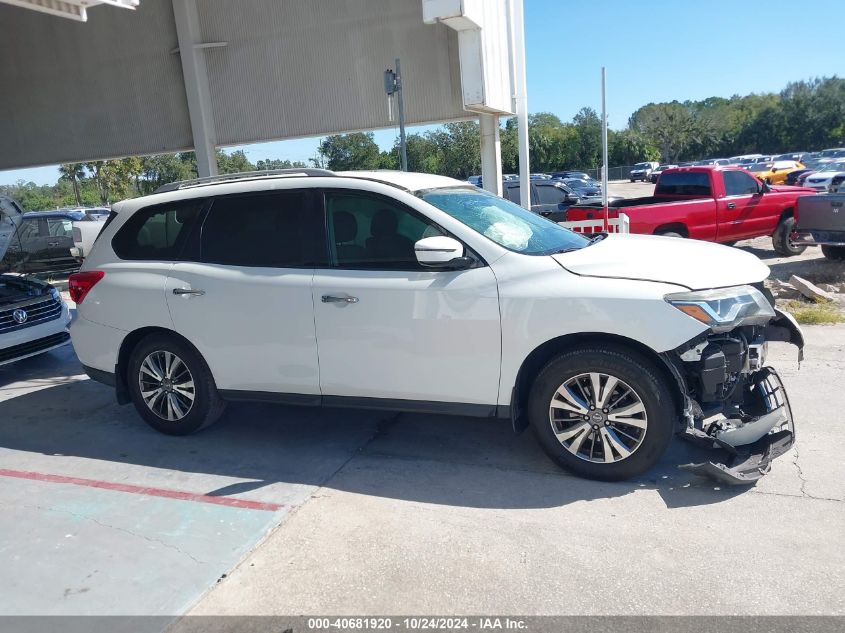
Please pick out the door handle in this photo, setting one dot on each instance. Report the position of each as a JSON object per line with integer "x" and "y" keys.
{"x": 338, "y": 299}
{"x": 188, "y": 291}
{"x": 731, "y": 205}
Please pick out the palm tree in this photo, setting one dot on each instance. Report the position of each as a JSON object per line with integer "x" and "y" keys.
{"x": 73, "y": 172}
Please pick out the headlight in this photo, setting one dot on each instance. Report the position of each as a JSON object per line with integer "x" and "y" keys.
{"x": 726, "y": 308}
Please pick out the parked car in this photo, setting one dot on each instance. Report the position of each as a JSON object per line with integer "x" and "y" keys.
{"x": 584, "y": 188}
{"x": 774, "y": 173}
{"x": 793, "y": 178}
{"x": 799, "y": 157}
{"x": 563, "y": 175}
{"x": 85, "y": 232}
{"x": 642, "y": 171}
{"x": 44, "y": 242}
{"x": 742, "y": 158}
{"x": 549, "y": 198}
{"x": 474, "y": 180}
{"x": 713, "y": 161}
{"x": 417, "y": 292}
{"x": 827, "y": 178}
{"x": 717, "y": 204}
{"x": 660, "y": 169}
{"x": 33, "y": 316}
{"x": 820, "y": 221}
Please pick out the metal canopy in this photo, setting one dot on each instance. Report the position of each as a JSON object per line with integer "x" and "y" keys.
{"x": 180, "y": 75}
{"x": 72, "y": 9}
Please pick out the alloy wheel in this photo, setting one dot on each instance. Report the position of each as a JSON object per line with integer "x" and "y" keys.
{"x": 167, "y": 386}
{"x": 598, "y": 417}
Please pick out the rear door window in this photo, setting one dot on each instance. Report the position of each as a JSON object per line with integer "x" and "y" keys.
{"x": 689, "y": 183}
{"x": 157, "y": 233}
{"x": 271, "y": 230}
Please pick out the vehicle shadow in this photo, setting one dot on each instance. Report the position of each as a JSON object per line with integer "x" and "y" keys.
{"x": 271, "y": 449}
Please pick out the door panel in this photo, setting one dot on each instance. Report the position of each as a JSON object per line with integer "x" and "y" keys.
{"x": 388, "y": 327}
{"x": 254, "y": 326}
{"x": 742, "y": 211}
{"x": 247, "y": 304}
{"x": 432, "y": 336}
{"x": 60, "y": 232}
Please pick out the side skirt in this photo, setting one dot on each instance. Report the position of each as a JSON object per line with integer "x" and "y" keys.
{"x": 378, "y": 404}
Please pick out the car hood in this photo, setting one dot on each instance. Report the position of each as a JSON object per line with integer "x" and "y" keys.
{"x": 10, "y": 220}
{"x": 690, "y": 263}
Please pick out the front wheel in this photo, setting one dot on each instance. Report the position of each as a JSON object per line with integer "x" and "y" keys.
{"x": 835, "y": 253}
{"x": 780, "y": 239}
{"x": 172, "y": 387}
{"x": 602, "y": 413}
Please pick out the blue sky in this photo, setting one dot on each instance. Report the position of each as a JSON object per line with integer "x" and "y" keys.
{"x": 655, "y": 50}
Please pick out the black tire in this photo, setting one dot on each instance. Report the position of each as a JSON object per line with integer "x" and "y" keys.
{"x": 632, "y": 180}
{"x": 628, "y": 367}
{"x": 780, "y": 239}
{"x": 207, "y": 405}
{"x": 670, "y": 234}
{"x": 835, "y": 253}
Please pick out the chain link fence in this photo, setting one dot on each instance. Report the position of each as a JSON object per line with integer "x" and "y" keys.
{"x": 613, "y": 173}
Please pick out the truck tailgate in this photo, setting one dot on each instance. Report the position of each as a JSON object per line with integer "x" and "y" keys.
{"x": 821, "y": 213}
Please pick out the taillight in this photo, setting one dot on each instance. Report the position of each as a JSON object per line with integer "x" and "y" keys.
{"x": 79, "y": 284}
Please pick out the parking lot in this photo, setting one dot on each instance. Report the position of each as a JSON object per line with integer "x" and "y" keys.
{"x": 279, "y": 510}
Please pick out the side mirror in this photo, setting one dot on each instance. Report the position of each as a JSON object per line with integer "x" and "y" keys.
{"x": 572, "y": 198}
{"x": 441, "y": 252}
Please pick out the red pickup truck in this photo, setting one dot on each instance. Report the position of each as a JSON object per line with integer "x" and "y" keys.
{"x": 716, "y": 204}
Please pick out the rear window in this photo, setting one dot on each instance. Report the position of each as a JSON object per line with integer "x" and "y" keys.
{"x": 688, "y": 183}
{"x": 157, "y": 233}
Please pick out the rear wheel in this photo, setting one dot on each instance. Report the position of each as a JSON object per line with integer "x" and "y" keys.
{"x": 602, "y": 413}
{"x": 836, "y": 253}
{"x": 172, "y": 387}
{"x": 780, "y": 239}
{"x": 669, "y": 234}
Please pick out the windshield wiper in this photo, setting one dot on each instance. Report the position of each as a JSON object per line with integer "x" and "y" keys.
{"x": 596, "y": 239}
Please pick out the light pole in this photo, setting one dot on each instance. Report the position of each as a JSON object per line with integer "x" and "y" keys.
{"x": 393, "y": 86}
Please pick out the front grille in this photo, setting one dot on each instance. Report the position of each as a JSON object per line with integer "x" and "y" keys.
{"x": 37, "y": 312}
{"x": 33, "y": 347}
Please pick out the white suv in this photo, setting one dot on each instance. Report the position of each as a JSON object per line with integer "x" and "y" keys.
{"x": 416, "y": 292}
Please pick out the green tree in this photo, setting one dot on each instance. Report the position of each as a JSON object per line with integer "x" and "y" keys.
{"x": 270, "y": 164}
{"x": 350, "y": 151}
{"x": 73, "y": 173}
{"x": 233, "y": 163}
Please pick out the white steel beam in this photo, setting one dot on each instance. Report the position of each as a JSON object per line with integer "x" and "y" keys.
{"x": 195, "y": 75}
{"x": 491, "y": 154}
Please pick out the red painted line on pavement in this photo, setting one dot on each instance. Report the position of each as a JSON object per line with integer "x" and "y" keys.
{"x": 143, "y": 490}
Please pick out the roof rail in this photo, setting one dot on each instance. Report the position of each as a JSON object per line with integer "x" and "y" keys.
{"x": 244, "y": 175}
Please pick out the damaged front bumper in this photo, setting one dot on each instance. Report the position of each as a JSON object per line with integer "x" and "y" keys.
{"x": 735, "y": 405}
{"x": 744, "y": 451}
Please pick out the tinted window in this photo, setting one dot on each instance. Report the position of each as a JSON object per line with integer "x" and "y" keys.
{"x": 368, "y": 232}
{"x": 256, "y": 230}
{"x": 688, "y": 183}
{"x": 738, "y": 184}
{"x": 550, "y": 195}
{"x": 512, "y": 194}
{"x": 28, "y": 229}
{"x": 157, "y": 233}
